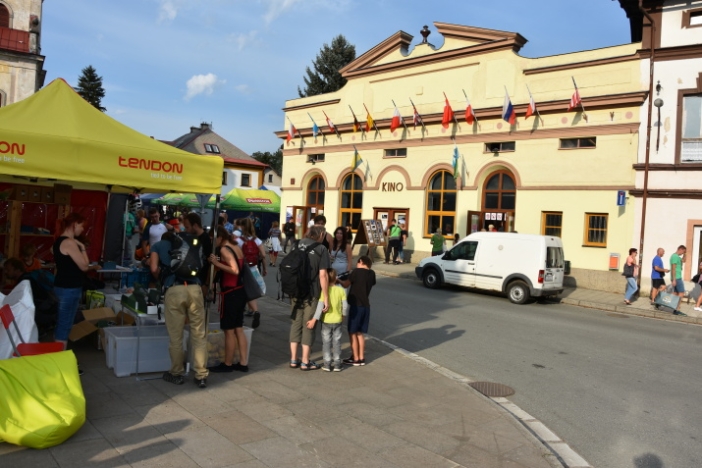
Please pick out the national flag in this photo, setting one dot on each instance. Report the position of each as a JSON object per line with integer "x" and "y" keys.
{"x": 575, "y": 100}
{"x": 448, "y": 114}
{"x": 370, "y": 123}
{"x": 470, "y": 115}
{"x": 315, "y": 127}
{"x": 396, "y": 119}
{"x": 356, "y": 123}
{"x": 455, "y": 161}
{"x": 291, "y": 133}
{"x": 357, "y": 161}
{"x": 330, "y": 124}
{"x": 416, "y": 118}
{"x": 508, "y": 113}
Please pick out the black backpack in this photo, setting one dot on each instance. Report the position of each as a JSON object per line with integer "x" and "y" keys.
{"x": 295, "y": 273}
{"x": 186, "y": 257}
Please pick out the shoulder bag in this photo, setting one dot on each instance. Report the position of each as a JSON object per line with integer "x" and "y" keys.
{"x": 252, "y": 286}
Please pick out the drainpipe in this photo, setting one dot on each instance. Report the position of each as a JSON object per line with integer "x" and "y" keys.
{"x": 644, "y": 197}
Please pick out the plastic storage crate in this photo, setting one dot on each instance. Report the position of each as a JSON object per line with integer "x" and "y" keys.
{"x": 215, "y": 344}
{"x": 121, "y": 350}
{"x": 141, "y": 276}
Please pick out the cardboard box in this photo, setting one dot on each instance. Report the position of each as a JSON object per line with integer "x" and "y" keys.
{"x": 93, "y": 316}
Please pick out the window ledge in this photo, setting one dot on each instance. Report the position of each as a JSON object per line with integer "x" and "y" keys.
{"x": 579, "y": 148}
{"x": 595, "y": 246}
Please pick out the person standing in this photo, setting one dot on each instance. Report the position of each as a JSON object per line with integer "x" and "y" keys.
{"x": 227, "y": 225}
{"x": 154, "y": 229}
{"x": 304, "y": 308}
{"x": 192, "y": 224}
{"x": 341, "y": 254}
{"x": 321, "y": 220}
{"x": 254, "y": 254}
{"x": 289, "y": 231}
{"x": 361, "y": 281}
{"x": 631, "y": 271}
{"x": 394, "y": 233}
{"x": 437, "y": 243}
{"x": 331, "y": 323}
{"x": 404, "y": 234}
{"x": 71, "y": 265}
{"x": 183, "y": 300}
{"x": 274, "y": 235}
{"x": 232, "y": 302}
{"x": 657, "y": 275}
{"x": 676, "y": 262}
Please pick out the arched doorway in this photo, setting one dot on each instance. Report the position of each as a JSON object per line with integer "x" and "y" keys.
{"x": 499, "y": 199}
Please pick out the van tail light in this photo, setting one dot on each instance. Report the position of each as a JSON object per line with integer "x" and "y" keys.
{"x": 541, "y": 276}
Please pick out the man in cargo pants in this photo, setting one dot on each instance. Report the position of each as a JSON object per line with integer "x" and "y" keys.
{"x": 182, "y": 300}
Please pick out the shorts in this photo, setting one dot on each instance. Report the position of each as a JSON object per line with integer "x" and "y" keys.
{"x": 359, "y": 317}
{"x": 657, "y": 283}
{"x": 299, "y": 333}
{"x": 232, "y": 313}
{"x": 679, "y": 286}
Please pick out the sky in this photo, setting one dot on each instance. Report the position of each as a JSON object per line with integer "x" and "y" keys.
{"x": 168, "y": 65}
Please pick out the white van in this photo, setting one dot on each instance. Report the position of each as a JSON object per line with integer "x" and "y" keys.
{"x": 521, "y": 266}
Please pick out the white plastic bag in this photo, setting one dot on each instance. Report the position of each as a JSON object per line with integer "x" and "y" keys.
{"x": 22, "y": 305}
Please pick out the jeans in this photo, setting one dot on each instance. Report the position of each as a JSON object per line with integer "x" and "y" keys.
{"x": 631, "y": 288}
{"x": 290, "y": 239}
{"x": 68, "y": 300}
{"x": 394, "y": 246}
{"x": 331, "y": 342}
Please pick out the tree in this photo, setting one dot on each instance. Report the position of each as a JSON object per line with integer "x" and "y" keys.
{"x": 326, "y": 77}
{"x": 90, "y": 87}
{"x": 275, "y": 160}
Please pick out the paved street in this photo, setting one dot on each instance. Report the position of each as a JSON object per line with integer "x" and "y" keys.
{"x": 622, "y": 391}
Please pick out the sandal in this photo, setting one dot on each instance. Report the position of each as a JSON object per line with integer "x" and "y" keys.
{"x": 294, "y": 363}
{"x": 309, "y": 366}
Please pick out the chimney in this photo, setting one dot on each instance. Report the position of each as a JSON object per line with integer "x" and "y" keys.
{"x": 194, "y": 129}
{"x": 204, "y": 126}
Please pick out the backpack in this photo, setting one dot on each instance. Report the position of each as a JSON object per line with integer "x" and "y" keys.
{"x": 186, "y": 257}
{"x": 295, "y": 272}
{"x": 251, "y": 251}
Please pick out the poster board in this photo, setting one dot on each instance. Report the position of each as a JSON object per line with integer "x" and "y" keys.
{"x": 370, "y": 231}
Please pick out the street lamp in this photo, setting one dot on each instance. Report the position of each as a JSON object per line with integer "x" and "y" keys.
{"x": 658, "y": 103}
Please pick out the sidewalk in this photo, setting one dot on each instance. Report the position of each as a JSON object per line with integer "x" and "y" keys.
{"x": 580, "y": 297}
{"x": 393, "y": 412}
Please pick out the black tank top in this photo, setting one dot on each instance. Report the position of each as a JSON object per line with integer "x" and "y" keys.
{"x": 68, "y": 275}
{"x": 325, "y": 242}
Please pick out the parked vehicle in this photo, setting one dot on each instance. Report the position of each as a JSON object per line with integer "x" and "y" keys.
{"x": 522, "y": 266}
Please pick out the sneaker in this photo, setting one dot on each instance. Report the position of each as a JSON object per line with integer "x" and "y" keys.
{"x": 240, "y": 368}
{"x": 348, "y": 360}
{"x": 201, "y": 383}
{"x": 174, "y": 379}
{"x": 326, "y": 367}
{"x": 222, "y": 367}
{"x": 698, "y": 309}
{"x": 256, "y": 320}
{"x": 337, "y": 367}
{"x": 360, "y": 362}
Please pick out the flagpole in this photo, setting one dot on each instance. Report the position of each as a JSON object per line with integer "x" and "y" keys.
{"x": 475, "y": 117}
{"x": 368, "y": 112}
{"x": 355, "y": 120}
{"x": 402, "y": 119}
{"x": 421, "y": 120}
{"x": 319, "y": 129}
{"x": 454, "y": 114}
{"x": 581, "y": 98}
{"x": 531, "y": 98}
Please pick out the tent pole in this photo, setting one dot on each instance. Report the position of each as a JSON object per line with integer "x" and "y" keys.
{"x": 210, "y": 290}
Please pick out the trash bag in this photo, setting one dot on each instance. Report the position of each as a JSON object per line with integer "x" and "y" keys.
{"x": 42, "y": 398}
{"x": 22, "y": 304}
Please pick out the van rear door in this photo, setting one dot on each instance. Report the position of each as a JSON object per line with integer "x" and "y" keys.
{"x": 554, "y": 268}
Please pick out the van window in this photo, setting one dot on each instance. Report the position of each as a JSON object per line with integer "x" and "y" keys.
{"x": 554, "y": 257}
{"x": 463, "y": 251}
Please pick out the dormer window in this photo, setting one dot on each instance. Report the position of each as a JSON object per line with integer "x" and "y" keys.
{"x": 210, "y": 148}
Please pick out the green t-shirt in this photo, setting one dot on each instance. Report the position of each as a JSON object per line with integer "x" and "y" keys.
{"x": 337, "y": 296}
{"x": 677, "y": 261}
{"x": 437, "y": 243}
{"x": 395, "y": 232}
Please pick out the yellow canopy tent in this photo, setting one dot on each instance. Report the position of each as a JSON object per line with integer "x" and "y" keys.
{"x": 56, "y": 134}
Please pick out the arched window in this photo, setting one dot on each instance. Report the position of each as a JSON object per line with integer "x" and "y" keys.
{"x": 441, "y": 204}
{"x": 4, "y": 16}
{"x": 315, "y": 193}
{"x": 500, "y": 193}
{"x": 351, "y": 201}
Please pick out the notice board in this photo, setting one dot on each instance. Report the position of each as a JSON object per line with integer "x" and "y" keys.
{"x": 370, "y": 231}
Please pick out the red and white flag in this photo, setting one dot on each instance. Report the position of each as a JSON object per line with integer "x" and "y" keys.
{"x": 396, "y": 120}
{"x": 531, "y": 108}
{"x": 470, "y": 115}
{"x": 575, "y": 100}
{"x": 448, "y": 114}
{"x": 291, "y": 133}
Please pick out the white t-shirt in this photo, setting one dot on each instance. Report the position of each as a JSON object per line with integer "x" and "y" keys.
{"x": 155, "y": 232}
{"x": 241, "y": 240}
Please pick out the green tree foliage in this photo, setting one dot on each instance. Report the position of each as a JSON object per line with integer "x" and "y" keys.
{"x": 90, "y": 87}
{"x": 325, "y": 78}
{"x": 275, "y": 160}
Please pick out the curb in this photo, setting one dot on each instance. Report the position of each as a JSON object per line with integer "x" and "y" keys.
{"x": 555, "y": 447}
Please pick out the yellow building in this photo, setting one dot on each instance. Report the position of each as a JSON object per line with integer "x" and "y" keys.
{"x": 558, "y": 172}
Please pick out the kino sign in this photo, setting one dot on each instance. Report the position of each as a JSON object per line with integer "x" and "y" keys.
{"x": 392, "y": 186}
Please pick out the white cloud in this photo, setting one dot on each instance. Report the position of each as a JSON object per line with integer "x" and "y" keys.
{"x": 242, "y": 40}
{"x": 243, "y": 88}
{"x": 202, "y": 84}
{"x": 277, "y": 8}
{"x": 167, "y": 11}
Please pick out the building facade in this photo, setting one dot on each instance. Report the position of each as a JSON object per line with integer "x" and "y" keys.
{"x": 21, "y": 63}
{"x": 559, "y": 172}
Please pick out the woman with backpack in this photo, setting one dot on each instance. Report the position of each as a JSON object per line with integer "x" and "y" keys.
{"x": 254, "y": 254}
{"x": 341, "y": 254}
{"x": 232, "y": 302}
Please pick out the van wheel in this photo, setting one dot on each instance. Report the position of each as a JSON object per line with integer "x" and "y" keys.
{"x": 431, "y": 279}
{"x": 518, "y": 292}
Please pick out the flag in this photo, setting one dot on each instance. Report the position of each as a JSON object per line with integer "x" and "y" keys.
{"x": 448, "y": 114}
{"x": 455, "y": 161}
{"x": 356, "y": 123}
{"x": 291, "y": 132}
{"x": 416, "y": 118}
{"x": 470, "y": 115}
{"x": 357, "y": 161}
{"x": 315, "y": 128}
{"x": 531, "y": 108}
{"x": 330, "y": 124}
{"x": 575, "y": 100}
{"x": 370, "y": 123}
{"x": 508, "y": 113}
{"x": 396, "y": 119}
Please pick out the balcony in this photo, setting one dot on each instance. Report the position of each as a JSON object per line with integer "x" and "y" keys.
{"x": 14, "y": 39}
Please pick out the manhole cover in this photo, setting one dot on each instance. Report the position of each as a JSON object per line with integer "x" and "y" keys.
{"x": 492, "y": 389}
